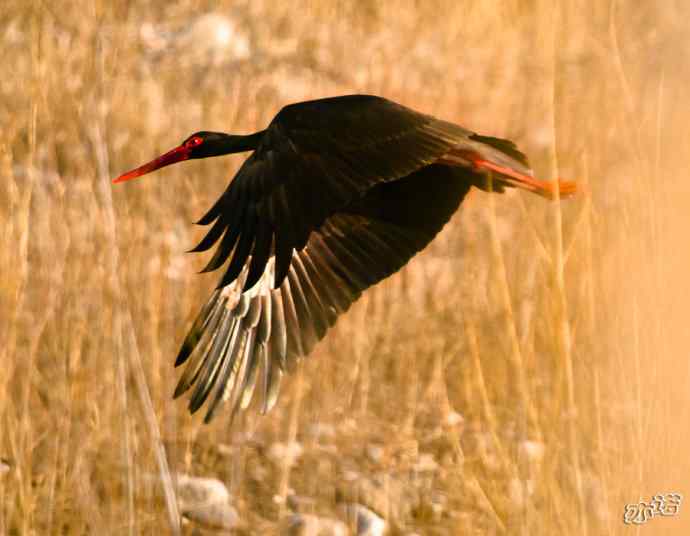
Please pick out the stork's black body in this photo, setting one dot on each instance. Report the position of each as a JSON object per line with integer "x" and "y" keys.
{"x": 338, "y": 194}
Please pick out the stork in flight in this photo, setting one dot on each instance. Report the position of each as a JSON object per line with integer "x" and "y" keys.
{"x": 338, "y": 194}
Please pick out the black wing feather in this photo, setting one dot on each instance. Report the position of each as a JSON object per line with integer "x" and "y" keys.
{"x": 315, "y": 159}
{"x": 370, "y": 240}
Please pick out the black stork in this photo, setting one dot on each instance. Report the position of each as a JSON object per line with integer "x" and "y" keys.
{"x": 338, "y": 194}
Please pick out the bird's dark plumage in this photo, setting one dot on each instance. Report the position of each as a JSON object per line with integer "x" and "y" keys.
{"x": 338, "y": 194}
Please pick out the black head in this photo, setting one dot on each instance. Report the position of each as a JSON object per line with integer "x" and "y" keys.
{"x": 204, "y": 144}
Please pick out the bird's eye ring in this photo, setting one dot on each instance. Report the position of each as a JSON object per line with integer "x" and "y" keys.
{"x": 196, "y": 140}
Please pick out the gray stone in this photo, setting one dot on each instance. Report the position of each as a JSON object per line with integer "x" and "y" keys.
{"x": 206, "y": 501}
{"x": 364, "y": 521}
{"x": 395, "y": 497}
{"x": 213, "y": 516}
{"x": 298, "y": 503}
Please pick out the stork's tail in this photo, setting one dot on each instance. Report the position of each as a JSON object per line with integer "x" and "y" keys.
{"x": 502, "y": 164}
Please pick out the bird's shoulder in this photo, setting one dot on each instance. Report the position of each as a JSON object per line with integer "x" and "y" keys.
{"x": 347, "y": 122}
{"x": 324, "y": 109}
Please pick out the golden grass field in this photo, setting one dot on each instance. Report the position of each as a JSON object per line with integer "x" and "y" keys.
{"x": 561, "y": 326}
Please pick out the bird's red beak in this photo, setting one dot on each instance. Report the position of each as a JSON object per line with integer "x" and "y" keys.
{"x": 178, "y": 154}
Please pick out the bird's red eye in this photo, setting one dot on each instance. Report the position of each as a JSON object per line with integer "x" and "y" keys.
{"x": 196, "y": 140}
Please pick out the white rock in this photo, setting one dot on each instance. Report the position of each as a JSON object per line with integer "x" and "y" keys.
{"x": 195, "y": 491}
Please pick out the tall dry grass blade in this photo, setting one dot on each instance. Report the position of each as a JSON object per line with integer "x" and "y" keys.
{"x": 124, "y": 318}
{"x": 563, "y": 330}
{"x": 487, "y": 408}
{"x": 582, "y": 226}
{"x": 290, "y": 437}
{"x": 543, "y": 253}
{"x": 528, "y": 421}
{"x": 483, "y": 501}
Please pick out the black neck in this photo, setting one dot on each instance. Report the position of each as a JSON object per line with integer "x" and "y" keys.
{"x": 237, "y": 144}
{"x": 219, "y": 143}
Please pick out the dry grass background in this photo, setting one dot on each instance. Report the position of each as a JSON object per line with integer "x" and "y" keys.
{"x": 563, "y": 325}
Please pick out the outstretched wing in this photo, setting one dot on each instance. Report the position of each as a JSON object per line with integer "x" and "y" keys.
{"x": 248, "y": 338}
{"x": 315, "y": 159}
